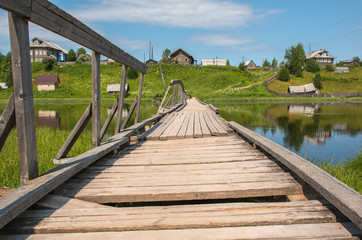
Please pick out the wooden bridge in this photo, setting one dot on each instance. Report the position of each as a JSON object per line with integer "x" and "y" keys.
{"x": 191, "y": 175}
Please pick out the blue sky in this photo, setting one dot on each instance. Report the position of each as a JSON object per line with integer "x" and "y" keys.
{"x": 208, "y": 29}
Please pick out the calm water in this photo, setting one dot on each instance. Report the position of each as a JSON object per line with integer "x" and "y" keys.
{"x": 319, "y": 131}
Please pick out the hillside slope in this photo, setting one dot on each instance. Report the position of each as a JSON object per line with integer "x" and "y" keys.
{"x": 203, "y": 82}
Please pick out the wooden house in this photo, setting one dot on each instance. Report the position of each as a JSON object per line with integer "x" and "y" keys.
{"x": 182, "y": 57}
{"x": 40, "y": 49}
{"x": 47, "y": 82}
{"x": 250, "y": 64}
{"x": 151, "y": 62}
{"x": 307, "y": 88}
{"x": 322, "y": 57}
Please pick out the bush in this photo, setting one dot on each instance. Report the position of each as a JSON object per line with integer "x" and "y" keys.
{"x": 48, "y": 63}
{"x": 132, "y": 74}
{"x": 312, "y": 66}
{"x": 299, "y": 73}
{"x": 329, "y": 68}
{"x": 284, "y": 74}
{"x": 242, "y": 66}
{"x": 317, "y": 81}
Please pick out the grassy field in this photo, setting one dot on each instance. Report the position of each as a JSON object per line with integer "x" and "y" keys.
{"x": 203, "y": 82}
{"x": 331, "y": 81}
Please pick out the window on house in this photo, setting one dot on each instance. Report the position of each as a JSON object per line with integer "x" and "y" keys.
{"x": 44, "y": 52}
{"x": 31, "y": 52}
{"x": 36, "y": 52}
{"x": 180, "y": 58}
{"x": 36, "y": 42}
{"x": 186, "y": 59}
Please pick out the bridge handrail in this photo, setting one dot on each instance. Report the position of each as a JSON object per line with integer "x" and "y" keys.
{"x": 20, "y": 108}
{"x": 179, "y": 95}
{"x": 344, "y": 198}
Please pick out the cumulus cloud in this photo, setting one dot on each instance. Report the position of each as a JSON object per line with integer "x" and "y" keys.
{"x": 129, "y": 44}
{"x": 221, "y": 40}
{"x": 206, "y": 14}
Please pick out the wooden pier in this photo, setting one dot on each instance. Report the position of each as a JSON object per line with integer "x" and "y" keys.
{"x": 184, "y": 173}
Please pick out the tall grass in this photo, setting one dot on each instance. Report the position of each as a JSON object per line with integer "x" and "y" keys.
{"x": 349, "y": 172}
{"x": 49, "y": 141}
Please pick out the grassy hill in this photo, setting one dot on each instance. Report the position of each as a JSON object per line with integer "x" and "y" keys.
{"x": 203, "y": 82}
{"x": 331, "y": 81}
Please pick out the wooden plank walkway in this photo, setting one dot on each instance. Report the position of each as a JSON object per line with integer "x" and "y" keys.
{"x": 196, "y": 180}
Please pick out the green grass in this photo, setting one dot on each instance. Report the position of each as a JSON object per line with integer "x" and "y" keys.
{"x": 350, "y": 172}
{"x": 49, "y": 141}
{"x": 331, "y": 81}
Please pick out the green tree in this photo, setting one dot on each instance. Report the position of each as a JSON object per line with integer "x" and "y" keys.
{"x": 81, "y": 51}
{"x": 284, "y": 74}
{"x": 266, "y": 64}
{"x": 5, "y": 69}
{"x": 227, "y": 63}
{"x": 72, "y": 56}
{"x": 312, "y": 66}
{"x": 86, "y": 57}
{"x": 317, "y": 81}
{"x": 329, "y": 68}
{"x": 49, "y": 63}
{"x": 166, "y": 53}
{"x": 274, "y": 63}
{"x": 295, "y": 58}
{"x": 132, "y": 74}
{"x": 242, "y": 66}
{"x": 357, "y": 60}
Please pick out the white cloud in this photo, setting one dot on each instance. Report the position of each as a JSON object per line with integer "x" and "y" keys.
{"x": 129, "y": 44}
{"x": 184, "y": 13}
{"x": 221, "y": 40}
{"x": 4, "y": 26}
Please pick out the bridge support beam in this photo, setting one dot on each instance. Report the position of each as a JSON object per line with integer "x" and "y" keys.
{"x": 96, "y": 99}
{"x": 23, "y": 97}
{"x": 136, "y": 119}
{"x": 121, "y": 99}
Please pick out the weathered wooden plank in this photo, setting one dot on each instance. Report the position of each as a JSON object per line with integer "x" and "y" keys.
{"x": 197, "y": 126}
{"x": 22, "y": 198}
{"x": 155, "y": 135}
{"x": 190, "y": 126}
{"x": 183, "y": 193}
{"x": 216, "y": 110}
{"x": 137, "y": 116}
{"x": 96, "y": 99}
{"x": 348, "y": 201}
{"x": 204, "y": 128}
{"x": 109, "y": 119}
{"x": 73, "y": 136}
{"x": 294, "y": 231}
{"x": 7, "y": 121}
{"x": 121, "y": 99}
{"x": 172, "y": 131}
{"x": 221, "y": 123}
{"x": 23, "y": 97}
{"x": 182, "y": 133}
{"x": 163, "y": 99}
{"x": 49, "y": 16}
{"x": 230, "y": 215}
{"x": 221, "y": 130}
{"x": 210, "y": 125}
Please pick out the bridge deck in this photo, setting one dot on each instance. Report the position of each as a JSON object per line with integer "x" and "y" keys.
{"x": 197, "y": 187}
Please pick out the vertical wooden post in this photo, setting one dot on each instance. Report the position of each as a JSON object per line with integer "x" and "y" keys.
{"x": 137, "y": 116}
{"x": 96, "y": 101}
{"x": 23, "y": 97}
{"x": 121, "y": 99}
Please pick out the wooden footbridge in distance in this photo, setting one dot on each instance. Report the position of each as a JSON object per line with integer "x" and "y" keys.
{"x": 184, "y": 173}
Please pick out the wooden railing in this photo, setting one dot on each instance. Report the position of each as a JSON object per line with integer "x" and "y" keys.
{"x": 176, "y": 96}
{"x": 20, "y": 108}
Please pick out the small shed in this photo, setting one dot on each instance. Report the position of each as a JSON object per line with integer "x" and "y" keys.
{"x": 307, "y": 88}
{"x": 48, "y": 82}
{"x": 341, "y": 70}
{"x": 250, "y": 64}
{"x": 113, "y": 88}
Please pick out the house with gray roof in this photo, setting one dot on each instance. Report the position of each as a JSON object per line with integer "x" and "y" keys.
{"x": 183, "y": 57}
{"x": 47, "y": 82}
{"x": 40, "y": 49}
{"x": 307, "y": 88}
{"x": 250, "y": 64}
{"x": 322, "y": 57}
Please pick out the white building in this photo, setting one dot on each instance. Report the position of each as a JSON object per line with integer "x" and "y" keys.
{"x": 213, "y": 62}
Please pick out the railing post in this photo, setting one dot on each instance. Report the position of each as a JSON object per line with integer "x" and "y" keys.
{"x": 121, "y": 99}
{"x": 137, "y": 116}
{"x": 96, "y": 101}
{"x": 23, "y": 97}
